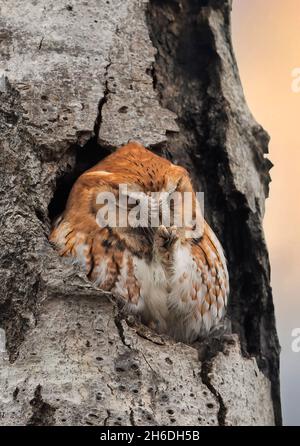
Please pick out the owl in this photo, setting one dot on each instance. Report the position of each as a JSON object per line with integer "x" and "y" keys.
{"x": 170, "y": 271}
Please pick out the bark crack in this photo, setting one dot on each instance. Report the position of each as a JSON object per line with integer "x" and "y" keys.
{"x": 118, "y": 323}
{"x": 206, "y": 371}
{"x": 82, "y": 157}
{"x": 131, "y": 417}
{"x": 110, "y": 388}
{"x": 106, "y": 418}
{"x": 102, "y": 102}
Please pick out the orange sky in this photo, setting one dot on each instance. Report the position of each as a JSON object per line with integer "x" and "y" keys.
{"x": 266, "y": 39}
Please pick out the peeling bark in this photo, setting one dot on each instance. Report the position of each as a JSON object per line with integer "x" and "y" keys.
{"x": 76, "y": 83}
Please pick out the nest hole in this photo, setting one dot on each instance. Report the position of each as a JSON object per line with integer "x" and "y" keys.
{"x": 81, "y": 159}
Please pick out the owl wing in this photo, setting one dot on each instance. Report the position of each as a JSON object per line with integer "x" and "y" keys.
{"x": 98, "y": 250}
{"x": 102, "y": 256}
{"x": 200, "y": 285}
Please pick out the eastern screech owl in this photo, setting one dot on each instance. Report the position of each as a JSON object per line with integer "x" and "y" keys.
{"x": 178, "y": 284}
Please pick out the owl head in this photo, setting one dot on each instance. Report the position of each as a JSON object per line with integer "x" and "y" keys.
{"x": 146, "y": 191}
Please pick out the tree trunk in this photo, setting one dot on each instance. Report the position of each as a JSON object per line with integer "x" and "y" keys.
{"x": 80, "y": 79}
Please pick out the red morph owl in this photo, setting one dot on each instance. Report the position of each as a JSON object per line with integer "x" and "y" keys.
{"x": 177, "y": 282}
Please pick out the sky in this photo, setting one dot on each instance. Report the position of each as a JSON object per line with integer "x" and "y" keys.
{"x": 266, "y": 40}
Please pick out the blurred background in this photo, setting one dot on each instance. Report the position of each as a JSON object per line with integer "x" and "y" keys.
{"x": 266, "y": 39}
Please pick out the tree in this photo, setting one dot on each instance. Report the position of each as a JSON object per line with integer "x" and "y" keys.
{"x": 79, "y": 80}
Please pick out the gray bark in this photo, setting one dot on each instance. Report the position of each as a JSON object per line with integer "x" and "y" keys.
{"x": 79, "y": 79}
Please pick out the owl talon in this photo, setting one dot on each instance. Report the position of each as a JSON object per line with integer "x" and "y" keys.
{"x": 165, "y": 237}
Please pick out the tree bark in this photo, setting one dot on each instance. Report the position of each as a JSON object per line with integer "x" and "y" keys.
{"x": 80, "y": 79}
